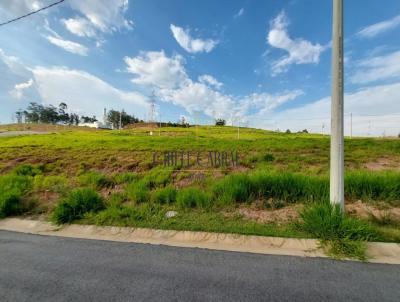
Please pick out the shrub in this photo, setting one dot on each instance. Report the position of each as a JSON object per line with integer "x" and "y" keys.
{"x": 95, "y": 180}
{"x": 138, "y": 192}
{"x": 27, "y": 170}
{"x": 193, "y": 197}
{"x": 268, "y": 157}
{"x": 116, "y": 199}
{"x": 165, "y": 195}
{"x": 76, "y": 205}
{"x": 344, "y": 235}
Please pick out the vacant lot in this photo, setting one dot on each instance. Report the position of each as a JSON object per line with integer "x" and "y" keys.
{"x": 109, "y": 177}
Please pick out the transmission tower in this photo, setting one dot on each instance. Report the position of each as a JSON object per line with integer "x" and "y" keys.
{"x": 152, "y": 108}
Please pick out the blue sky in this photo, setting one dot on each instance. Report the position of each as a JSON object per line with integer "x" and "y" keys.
{"x": 264, "y": 64}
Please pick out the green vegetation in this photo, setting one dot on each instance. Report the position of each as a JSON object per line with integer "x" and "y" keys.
{"x": 64, "y": 173}
{"x": 78, "y": 203}
{"x": 193, "y": 198}
{"x": 344, "y": 236}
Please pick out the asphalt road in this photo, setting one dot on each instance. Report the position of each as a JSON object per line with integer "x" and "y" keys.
{"x": 40, "y": 268}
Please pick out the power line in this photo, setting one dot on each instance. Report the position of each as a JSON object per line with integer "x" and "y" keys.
{"x": 32, "y": 13}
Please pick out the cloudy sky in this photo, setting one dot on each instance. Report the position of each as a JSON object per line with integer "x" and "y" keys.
{"x": 264, "y": 64}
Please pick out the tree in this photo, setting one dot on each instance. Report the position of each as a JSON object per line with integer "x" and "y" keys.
{"x": 87, "y": 119}
{"x": 288, "y": 131}
{"x": 62, "y": 114}
{"x": 220, "y": 122}
{"x": 19, "y": 115}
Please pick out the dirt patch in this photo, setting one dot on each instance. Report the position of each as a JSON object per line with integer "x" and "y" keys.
{"x": 382, "y": 164}
{"x": 278, "y": 216}
{"x": 367, "y": 211}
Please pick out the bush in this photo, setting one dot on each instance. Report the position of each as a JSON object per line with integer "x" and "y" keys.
{"x": 344, "y": 235}
{"x": 95, "y": 180}
{"x": 138, "y": 192}
{"x": 76, "y": 205}
{"x": 165, "y": 195}
{"x": 193, "y": 198}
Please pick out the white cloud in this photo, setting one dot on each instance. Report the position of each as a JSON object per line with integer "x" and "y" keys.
{"x": 172, "y": 84}
{"x": 375, "y": 109}
{"x": 84, "y": 92}
{"x": 69, "y": 46}
{"x": 190, "y": 44}
{"x": 155, "y": 68}
{"x": 300, "y": 51}
{"x": 80, "y": 27}
{"x": 377, "y": 68}
{"x": 210, "y": 80}
{"x": 19, "y": 89}
{"x": 21, "y": 7}
{"x": 103, "y": 16}
{"x": 379, "y": 28}
{"x": 239, "y": 13}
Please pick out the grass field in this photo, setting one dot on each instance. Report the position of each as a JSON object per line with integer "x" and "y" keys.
{"x": 109, "y": 178}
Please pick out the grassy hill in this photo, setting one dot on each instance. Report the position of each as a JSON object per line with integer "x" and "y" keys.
{"x": 108, "y": 177}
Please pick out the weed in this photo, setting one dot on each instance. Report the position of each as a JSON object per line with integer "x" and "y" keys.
{"x": 125, "y": 177}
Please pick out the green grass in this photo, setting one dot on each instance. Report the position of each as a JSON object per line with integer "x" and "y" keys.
{"x": 12, "y": 190}
{"x": 138, "y": 191}
{"x": 76, "y": 205}
{"x": 165, "y": 195}
{"x": 344, "y": 236}
{"x": 153, "y": 216}
{"x": 193, "y": 198}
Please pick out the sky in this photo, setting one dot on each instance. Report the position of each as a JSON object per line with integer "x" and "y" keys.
{"x": 257, "y": 63}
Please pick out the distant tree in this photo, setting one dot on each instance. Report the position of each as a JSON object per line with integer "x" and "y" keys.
{"x": 304, "y": 131}
{"x": 288, "y": 131}
{"x": 63, "y": 116}
{"x": 19, "y": 115}
{"x": 33, "y": 112}
{"x": 88, "y": 119}
{"x": 220, "y": 122}
{"x": 114, "y": 116}
{"x": 398, "y": 135}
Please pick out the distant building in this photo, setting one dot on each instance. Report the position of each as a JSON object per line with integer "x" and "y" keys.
{"x": 98, "y": 125}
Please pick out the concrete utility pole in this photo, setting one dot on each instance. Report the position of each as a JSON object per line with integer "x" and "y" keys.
{"x": 337, "y": 135}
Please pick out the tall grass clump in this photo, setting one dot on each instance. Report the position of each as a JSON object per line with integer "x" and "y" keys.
{"x": 125, "y": 177}
{"x": 158, "y": 177}
{"x": 193, "y": 198}
{"x": 165, "y": 195}
{"x": 76, "y": 205}
{"x": 27, "y": 170}
{"x": 373, "y": 186}
{"x": 95, "y": 180}
{"x": 138, "y": 192}
{"x": 234, "y": 189}
{"x": 54, "y": 183}
{"x": 12, "y": 189}
{"x": 344, "y": 236}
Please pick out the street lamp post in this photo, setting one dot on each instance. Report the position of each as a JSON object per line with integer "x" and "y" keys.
{"x": 337, "y": 136}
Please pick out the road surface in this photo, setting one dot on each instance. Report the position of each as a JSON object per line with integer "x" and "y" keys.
{"x": 41, "y": 268}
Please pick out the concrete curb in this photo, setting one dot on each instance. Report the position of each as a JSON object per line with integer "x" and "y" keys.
{"x": 378, "y": 252}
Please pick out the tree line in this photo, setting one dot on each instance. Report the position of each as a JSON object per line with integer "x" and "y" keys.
{"x": 49, "y": 114}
